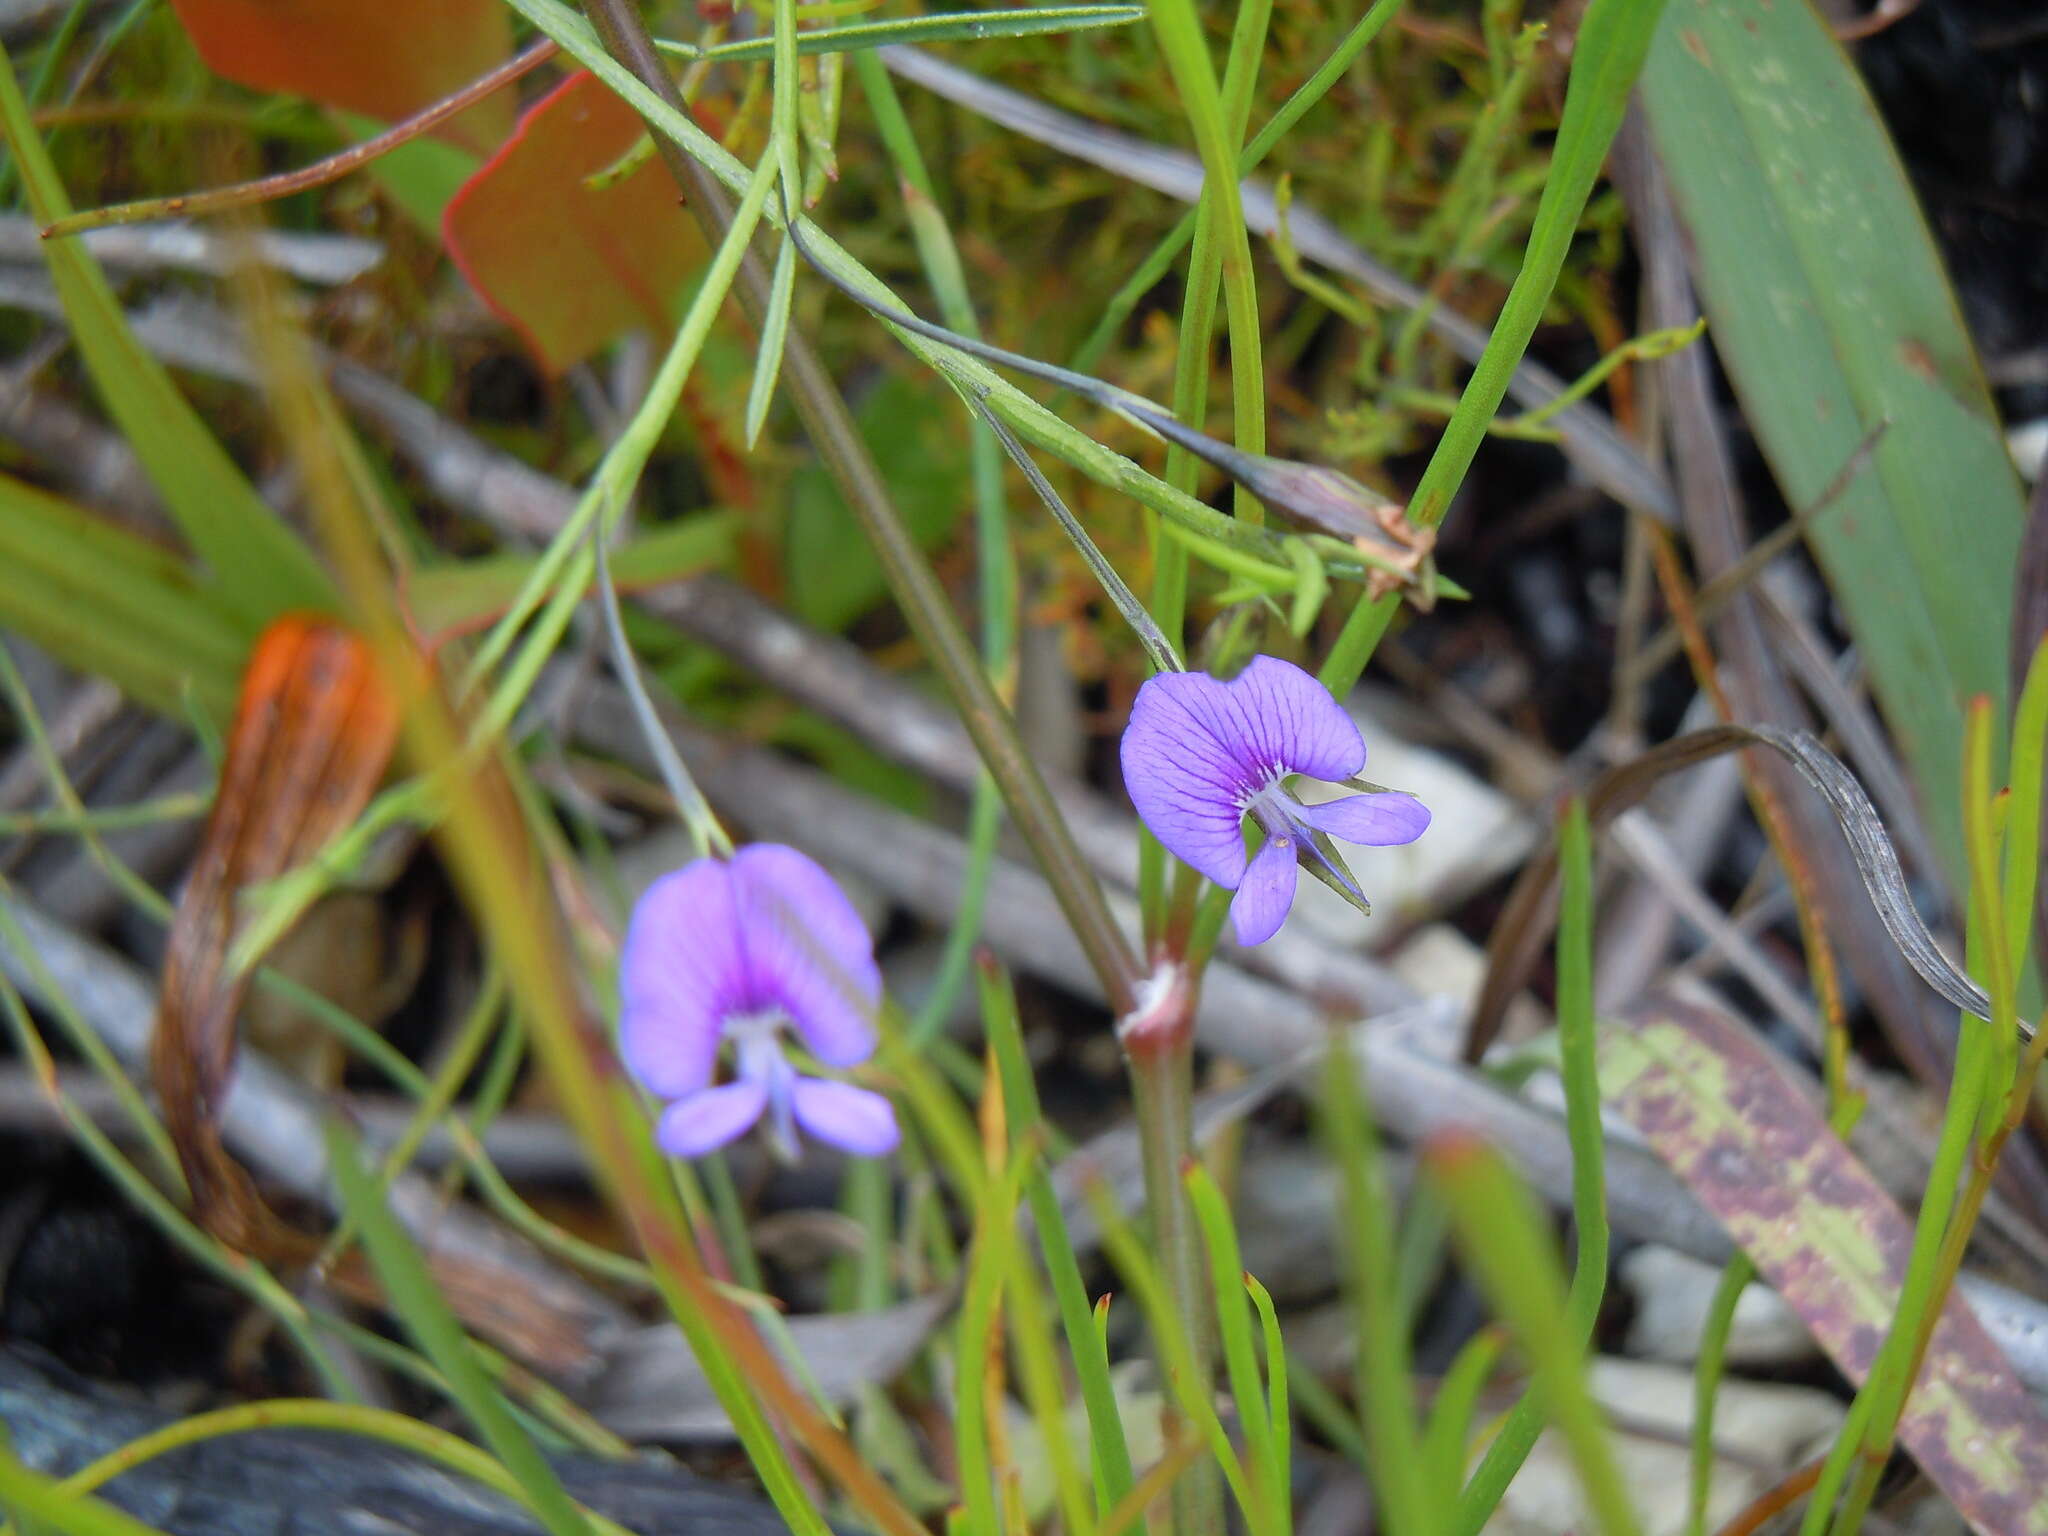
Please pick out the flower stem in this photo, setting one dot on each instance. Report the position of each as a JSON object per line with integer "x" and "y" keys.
{"x": 1160, "y": 1053}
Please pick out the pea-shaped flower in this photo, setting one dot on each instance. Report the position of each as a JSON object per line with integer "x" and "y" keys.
{"x": 747, "y": 950}
{"x": 1200, "y": 754}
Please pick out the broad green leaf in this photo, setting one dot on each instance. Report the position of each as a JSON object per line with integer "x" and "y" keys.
{"x": 106, "y": 602}
{"x": 1755, "y": 1151}
{"x": 1829, "y": 306}
{"x": 261, "y": 566}
{"x": 833, "y": 574}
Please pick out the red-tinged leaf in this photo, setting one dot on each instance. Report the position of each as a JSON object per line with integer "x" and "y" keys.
{"x": 1755, "y": 1151}
{"x": 314, "y": 729}
{"x": 384, "y": 61}
{"x": 568, "y": 266}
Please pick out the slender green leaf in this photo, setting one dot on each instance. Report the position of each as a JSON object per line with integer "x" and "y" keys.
{"x": 768, "y": 358}
{"x": 952, "y": 27}
{"x": 1614, "y": 36}
{"x": 262, "y": 567}
{"x": 425, "y": 1313}
{"x": 1510, "y": 1252}
{"x": 102, "y": 600}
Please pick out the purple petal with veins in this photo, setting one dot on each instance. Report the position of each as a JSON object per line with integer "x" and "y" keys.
{"x": 1201, "y": 753}
{"x": 750, "y": 950}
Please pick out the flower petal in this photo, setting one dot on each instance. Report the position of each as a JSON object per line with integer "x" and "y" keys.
{"x": 1376, "y": 820}
{"x": 1265, "y": 894}
{"x": 1186, "y": 784}
{"x": 706, "y": 1121}
{"x": 848, "y": 1117}
{"x": 1196, "y": 749}
{"x": 1291, "y": 719}
{"x": 681, "y": 972}
{"x": 808, "y": 951}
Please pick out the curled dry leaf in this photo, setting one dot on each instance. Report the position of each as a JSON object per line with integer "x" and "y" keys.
{"x": 313, "y": 732}
{"x": 1525, "y": 922}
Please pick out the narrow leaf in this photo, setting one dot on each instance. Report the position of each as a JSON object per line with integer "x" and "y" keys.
{"x": 774, "y": 327}
{"x": 102, "y": 600}
{"x": 262, "y": 567}
{"x": 952, "y": 27}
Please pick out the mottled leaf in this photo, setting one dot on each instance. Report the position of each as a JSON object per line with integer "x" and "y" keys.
{"x": 567, "y": 265}
{"x": 384, "y": 61}
{"x": 1752, "y": 1146}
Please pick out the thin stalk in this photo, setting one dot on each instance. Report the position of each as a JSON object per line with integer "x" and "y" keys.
{"x": 1162, "y": 1082}
{"x": 1614, "y": 36}
{"x": 996, "y": 556}
{"x": 1219, "y": 146}
{"x": 911, "y": 579}
{"x": 1160, "y": 259}
{"x": 1577, "y": 1045}
{"x": 427, "y": 1441}
{"x": 1706, "y": 1387}
{"x": 265, "y": 189}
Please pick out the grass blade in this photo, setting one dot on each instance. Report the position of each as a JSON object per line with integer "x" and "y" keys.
{"x": 262, "y": 567}
{"x": 768, "y": 360}
{"x": 419, "y": 1304}
{"x": 1613, "y": 39}
{"x": 952, "y": 27}
{"x": 1504, "y": 1241}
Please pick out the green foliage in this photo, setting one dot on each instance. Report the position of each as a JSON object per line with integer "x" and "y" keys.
{"x": 832, "y": 573}
{"x": 114, "y": 605}
{"x": 1831, "y": 311}
{"x": 1040, "y": 1425}
{"x": 261, "y": 566}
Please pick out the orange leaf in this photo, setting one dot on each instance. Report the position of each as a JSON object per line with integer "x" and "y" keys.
{"x": 384, "y": 61}
{"x": 567, "y": 266}
{"x": 313, "y": 732}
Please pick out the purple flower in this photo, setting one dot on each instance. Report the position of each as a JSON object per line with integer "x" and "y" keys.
{"x": 1200, "y": 753}
{"x": 741, "y": 951}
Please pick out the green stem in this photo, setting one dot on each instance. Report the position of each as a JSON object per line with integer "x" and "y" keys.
{"x": 1613, "y": 39}
{"x": 911, "y": 579}
{"x": 1162, "y": 1081}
